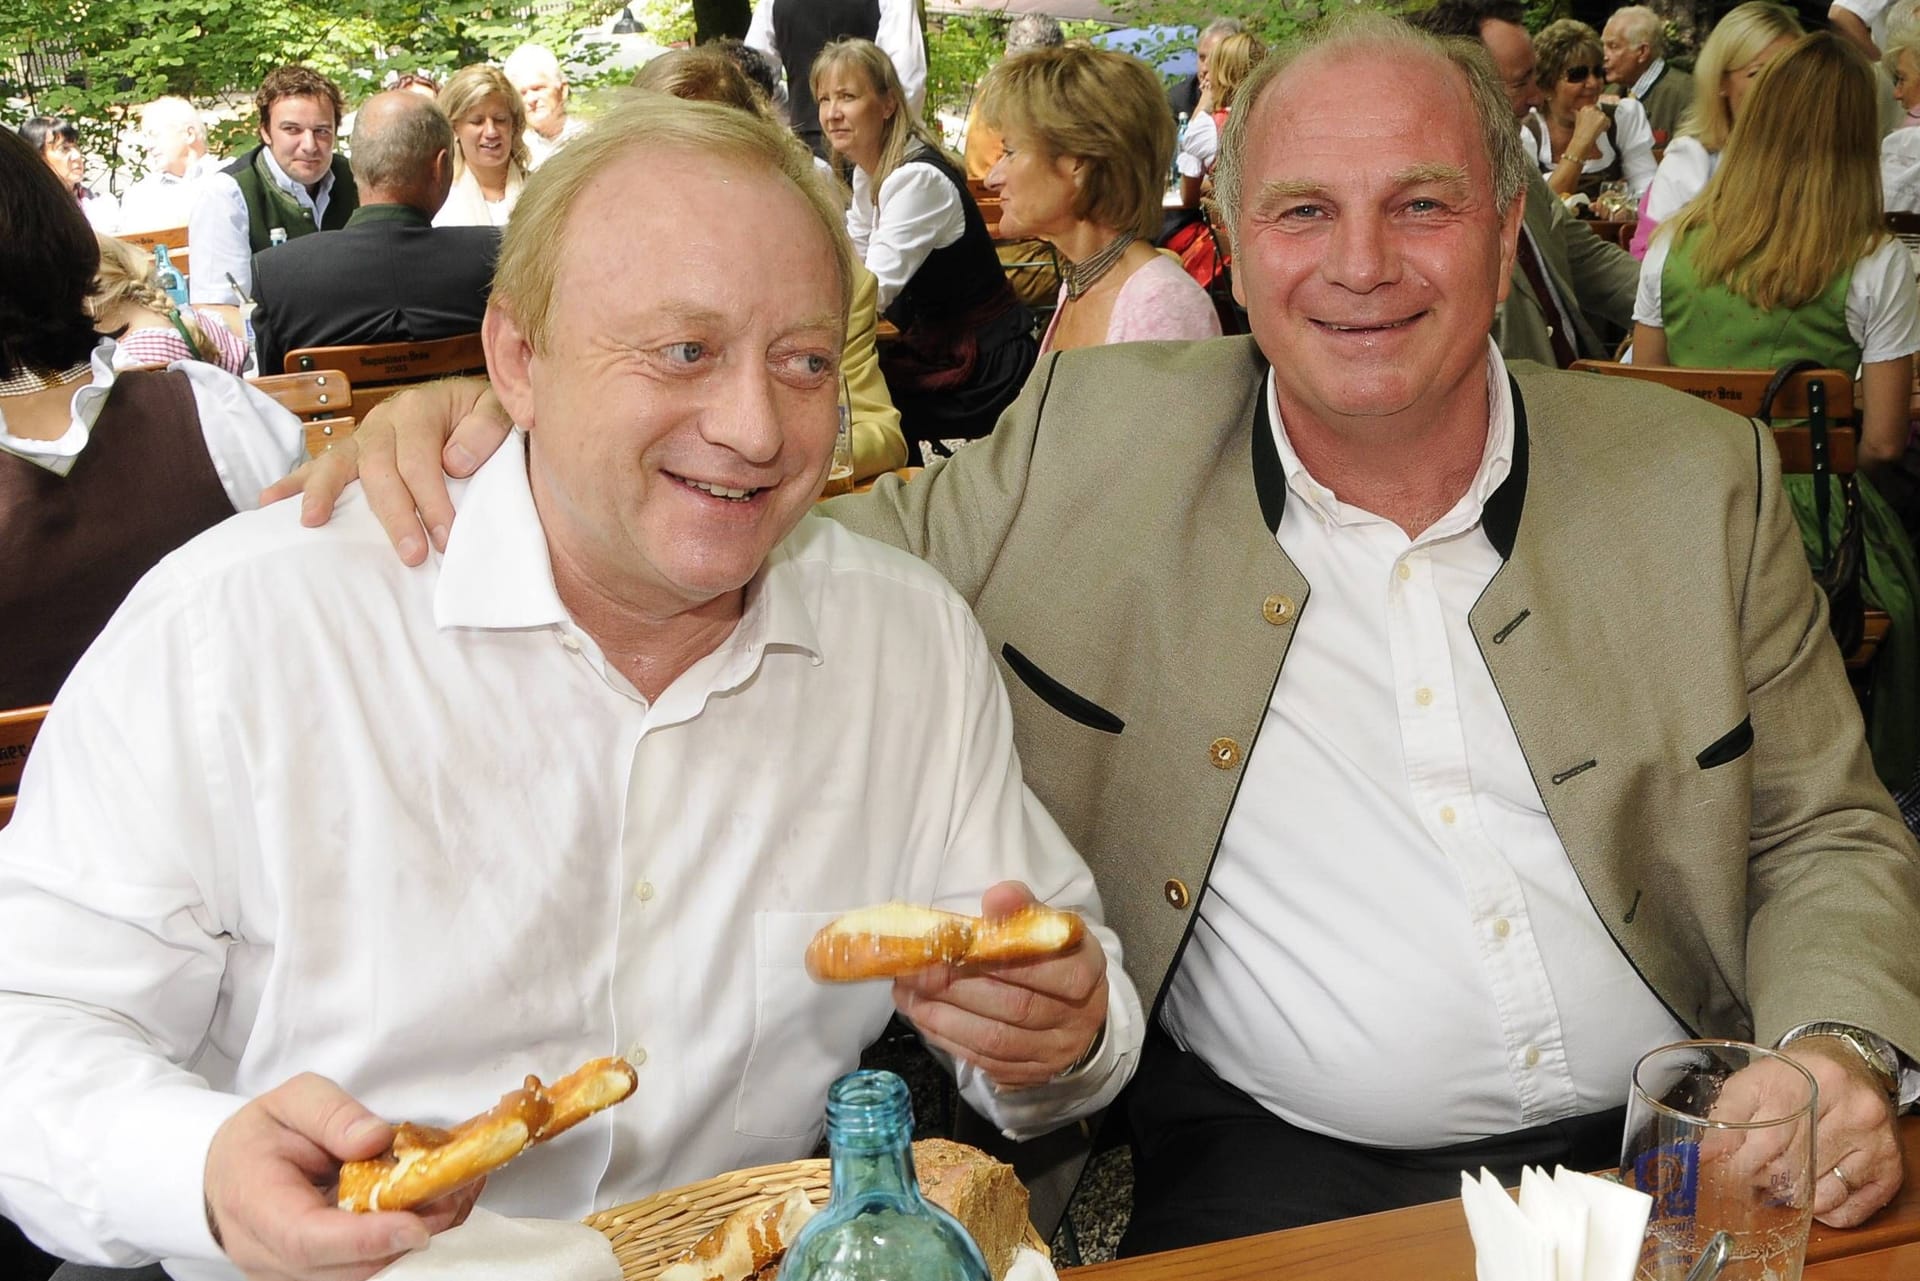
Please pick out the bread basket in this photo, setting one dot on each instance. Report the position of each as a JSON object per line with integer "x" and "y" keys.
{"x": 649, "y": 1234}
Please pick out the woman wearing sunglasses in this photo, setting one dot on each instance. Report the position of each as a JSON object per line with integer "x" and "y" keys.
{"x": 1581, "y": 145}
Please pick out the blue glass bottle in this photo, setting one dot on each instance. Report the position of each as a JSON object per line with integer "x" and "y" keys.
{"x": 168, "y": 277}
{"x": 877, "y": 1226}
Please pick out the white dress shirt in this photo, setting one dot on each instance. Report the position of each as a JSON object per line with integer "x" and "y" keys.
{"x": 919, "y": 212}
{"x": 1683, "y": 174}
{"x": 1199, "y": 146}
{"x": 467, "y": 206}
{"x": 1393, "y": 948}
{"x": 1882, "y": 304}
{"x": 250, "y": 438}
{"x": 407, "y": 829}
{"x": 1900, "y": 170}
{"x": 164, "y": 200}
{"x": 539, "y": 146}
{"x": 899, "y": 35}
{"x": 1630, "y": 133}
{"x": 1873, "y": 13}
{"x": 218, "y": 237}
{"x": 1648, "y": 78}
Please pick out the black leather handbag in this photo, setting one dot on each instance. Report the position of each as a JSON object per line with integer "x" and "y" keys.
{"x": 1841, "y": 565}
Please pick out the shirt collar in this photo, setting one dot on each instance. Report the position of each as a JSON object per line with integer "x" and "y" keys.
{"x": 1493, "y": 499}
{"x": 1644, "y": 84}
{"x": 498, "y": 573}
{"x": 298, "y": 190}
{"x": 88, "y": 400}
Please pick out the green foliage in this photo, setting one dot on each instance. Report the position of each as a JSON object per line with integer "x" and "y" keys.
{"x": 959, "y": 51}
{"x": 95, "y": 62}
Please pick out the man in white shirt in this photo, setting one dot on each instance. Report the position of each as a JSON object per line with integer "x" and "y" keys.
{"x": 177, "y": 159}
{"x": 591, "y": 783}
{"x": 536, "y": 74}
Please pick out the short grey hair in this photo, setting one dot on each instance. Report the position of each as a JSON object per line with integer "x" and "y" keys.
{"x": 1221, "y": 27}
{"x": 1641, "y": 25}
{"x": 392, "y": 151}
{"x": 531, "y": 60}
{"x": 1370, "y": 33}
{"x": 1034, "y": 31}
{"x": 172, "y": 110}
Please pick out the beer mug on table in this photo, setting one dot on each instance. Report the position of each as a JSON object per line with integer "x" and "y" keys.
{"x": 840, "y": 474}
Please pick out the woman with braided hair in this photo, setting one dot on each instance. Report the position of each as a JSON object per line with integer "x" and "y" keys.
{"x": 148, "y": 327}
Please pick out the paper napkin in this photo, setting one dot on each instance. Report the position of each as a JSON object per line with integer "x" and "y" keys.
{"x": 488, "y": 1247}
{"x": 1567, "y": 1227}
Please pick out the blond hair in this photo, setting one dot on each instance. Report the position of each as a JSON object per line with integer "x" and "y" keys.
{"x": 1736, "y": 40}
{"x": 1796, "y": 199}
{"x": 536, "y": 241}
{"x": 1097, "y": 106}
{"x": 126, "y": 278}
{"x": 905, "y": 131}
{"x": 1367, "y": 33}
{"x": 1234, "y": 59}
{"x": 466, "y": 90}
{"x": 702, "y": 74}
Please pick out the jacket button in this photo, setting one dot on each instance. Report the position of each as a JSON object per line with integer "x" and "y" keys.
{"x": 1225, "y": 753}
{"x": 1277, "y": 609}
{"x": 1176, "y": 892}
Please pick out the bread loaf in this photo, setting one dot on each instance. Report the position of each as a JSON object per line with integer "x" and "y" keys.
{"x": 984, "y": 1194}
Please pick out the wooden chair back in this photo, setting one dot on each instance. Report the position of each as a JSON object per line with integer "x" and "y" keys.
{"x": 379, "y": 370}
{"x": 314, "y": 395}
{"x": 17, "y": 731}
{"x": 1741, "y": 390}
{"x": 1906, "y": 229}
{"x": 174, "y": 238}
{"x": 1615, "y": 232}
{"x": 323, "y": 432}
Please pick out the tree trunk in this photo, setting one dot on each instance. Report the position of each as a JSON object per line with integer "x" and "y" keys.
{"x": 713, "y": 19}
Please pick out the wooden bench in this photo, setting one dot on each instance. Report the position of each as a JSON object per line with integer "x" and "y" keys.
{"x": 323, "y": 432}
{"x": 380, "y": 370}
{"x": 174, "y": 238}
{"x": 312, "y": 396}
{"x": 17, "y": 731}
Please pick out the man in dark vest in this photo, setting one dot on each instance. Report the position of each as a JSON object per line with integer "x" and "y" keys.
{"x": 795, "y": 31}
{"x": 291, "y": 185}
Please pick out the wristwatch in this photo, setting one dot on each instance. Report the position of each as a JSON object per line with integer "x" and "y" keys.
{"x": 1876, "y": 1051}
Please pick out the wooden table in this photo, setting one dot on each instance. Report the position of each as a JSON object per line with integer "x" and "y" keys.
{"x": 1430, "y": 1243}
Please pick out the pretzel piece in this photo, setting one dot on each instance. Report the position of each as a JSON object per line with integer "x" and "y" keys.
{"x": 899, "y": 938}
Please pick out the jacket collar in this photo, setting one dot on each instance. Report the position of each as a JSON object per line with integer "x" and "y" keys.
{"x": 404, "y": 214}
{"x": 1499, "y": 515}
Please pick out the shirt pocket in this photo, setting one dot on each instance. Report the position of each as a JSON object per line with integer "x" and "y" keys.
{"x": 805, "y": 1034}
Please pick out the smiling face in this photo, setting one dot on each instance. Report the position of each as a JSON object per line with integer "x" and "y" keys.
{"x": 854, "y": 116}
{"x": 1735, "y": 85}
{"x": 485, "y": 135}
{"x": 1371, "y": 253}
{"x": 1037, "y": 191}
{"x": 300, "y": 134}
{"x": 681, "y": 421}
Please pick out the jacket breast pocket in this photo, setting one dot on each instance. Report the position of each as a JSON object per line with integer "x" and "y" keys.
{"x": 1073, "y": 706}
{"x": 1729, "y": 747}
{"x": 805, "y": 1034}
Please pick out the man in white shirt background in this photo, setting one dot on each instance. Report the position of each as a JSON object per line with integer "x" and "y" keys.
{"x": 1633, "y": 46}
{"x": 177, "y": 159}
{"x": 597, "y": 777}
{"x": 536, "y": 74}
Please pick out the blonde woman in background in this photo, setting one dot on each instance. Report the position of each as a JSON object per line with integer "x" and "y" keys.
{"x": 490, "y": 158}
{"x": 1234, "y": 59}
{"x": 147, "y": 327}
{"x": 1742, "y": 44}
{"x": 1783, "y": 258}
{"x": 1086, "y": 140}
{"x": 707, "y": 74}
{"x": 1900, "y": 150}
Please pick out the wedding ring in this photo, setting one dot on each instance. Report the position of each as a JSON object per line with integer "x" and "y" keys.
{"x": 1836, "y": 1173}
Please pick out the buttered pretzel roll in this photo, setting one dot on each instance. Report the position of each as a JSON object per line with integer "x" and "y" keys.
{"x": 425, "y": 1163}
{"x": 898, "y": 938}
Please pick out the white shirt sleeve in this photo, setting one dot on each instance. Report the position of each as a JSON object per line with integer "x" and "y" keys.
{"x": 1900, "y": 171}
{"x": 1199, "y": 146}
{"x": 218, "y": 242}
{"x": 900, "y": 35}
{"x": 919, "y": 212}
{"x": 1682, "y": 175}
{"x": 1871, "y": 12}
{"x": 1883, "y": 304}
{"x": 1634, "y": 138}
{"x": 252, "y": 440}
{"x": 1646, "y": 303}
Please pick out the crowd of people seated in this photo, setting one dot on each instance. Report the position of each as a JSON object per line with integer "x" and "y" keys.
{"x": 1176, "y": 359}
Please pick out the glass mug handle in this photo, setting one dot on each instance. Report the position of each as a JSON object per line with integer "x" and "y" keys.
{"x": 840, "y": 475}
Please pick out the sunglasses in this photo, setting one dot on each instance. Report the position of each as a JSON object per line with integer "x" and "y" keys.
{"x": 1581, "y": 74}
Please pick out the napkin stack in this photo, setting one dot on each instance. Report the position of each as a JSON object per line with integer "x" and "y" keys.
{"x": 488, "y": 1247}
{"x": 1567, "y": 1227}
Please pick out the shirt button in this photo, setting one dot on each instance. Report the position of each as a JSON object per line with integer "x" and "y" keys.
{"x": 1502, "y": 928}
{"x": 1225, "y": 753}
{"x": 1423, "y": 696}
{"x": 643, "y": 891}
{"x": 1447, "y": 815}
{"x": 1403, "y": 570}
{"x": 567, "y": 642}
{"x": 1532, "y": 1057}
{"x": 1277, "y": 609}
{"x": 637, "y": 1054}
{"x": 1176, "y": 892}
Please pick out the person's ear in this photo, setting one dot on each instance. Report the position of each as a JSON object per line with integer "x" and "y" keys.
{"x": 510, "y": 357}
